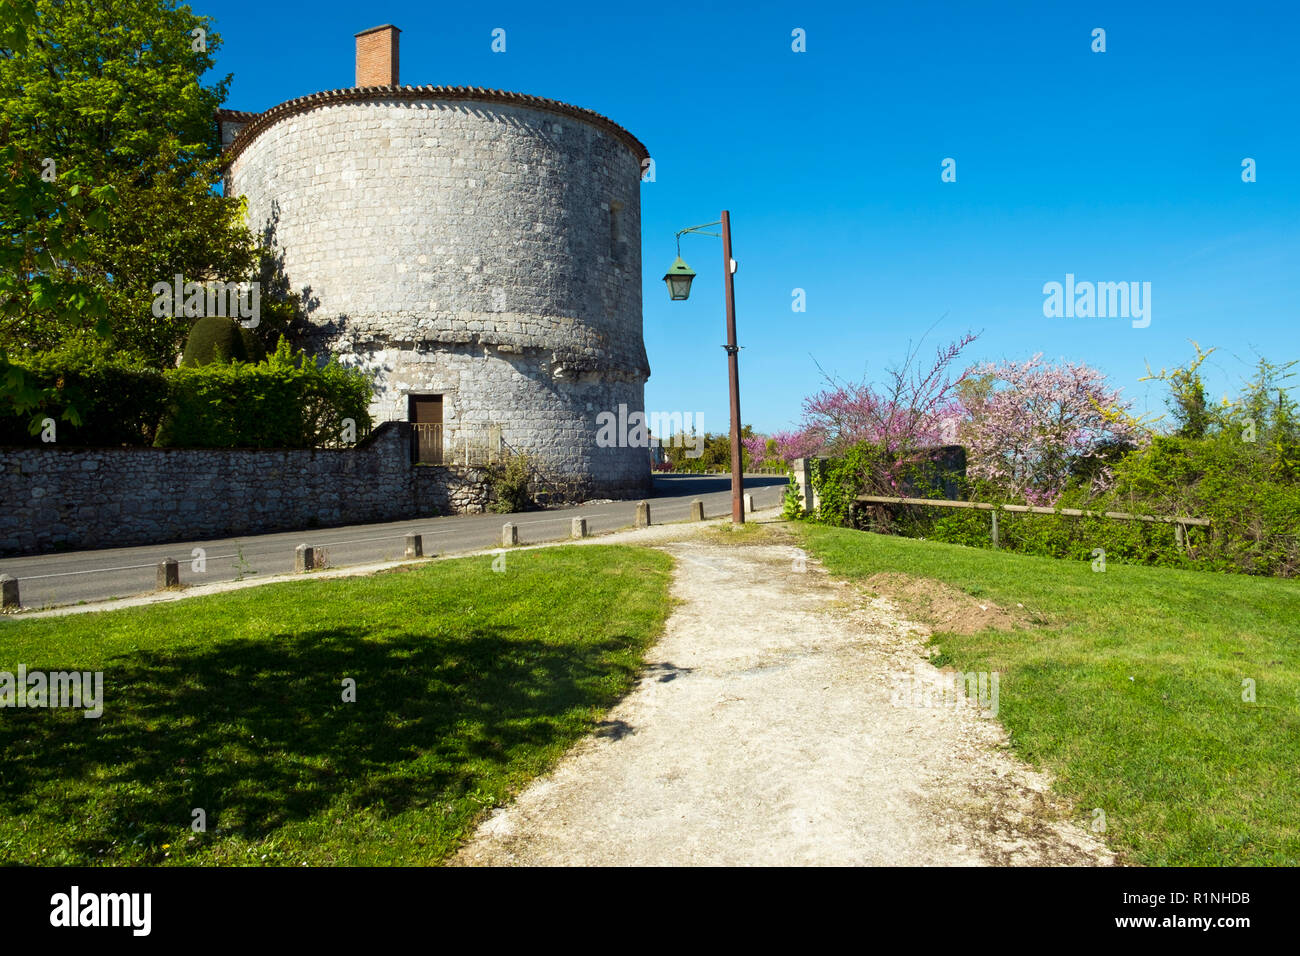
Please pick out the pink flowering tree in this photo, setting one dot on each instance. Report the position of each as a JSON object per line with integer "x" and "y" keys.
{"x": 801, "y": 443}
{"x": 783, "y": 447}
{"x": 916, "y": 406}
{"x": 1039, "y": 425}
{"x": 756, "y": 448}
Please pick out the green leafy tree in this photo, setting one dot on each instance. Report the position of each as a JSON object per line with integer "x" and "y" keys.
{"x": 1268, "y": 416}
{"x": 42, "y": 226}
{"x": 1186, "y": 400}
{"x": 714, "y": 450}
{"x": 106, "y": 102}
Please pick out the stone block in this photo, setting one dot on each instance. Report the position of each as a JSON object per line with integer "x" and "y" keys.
{"x": 169, "y": 574}
{"x": 9, "y": 593}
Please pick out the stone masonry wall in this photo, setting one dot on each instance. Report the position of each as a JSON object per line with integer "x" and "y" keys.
{"x": 552, "y": 419}
{"x": 73, "y": 498}
{"x": 486, "y": 252}
{"x": 424, "y": 222}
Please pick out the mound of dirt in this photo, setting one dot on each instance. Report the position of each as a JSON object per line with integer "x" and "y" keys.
{"x": 943, "y": 607}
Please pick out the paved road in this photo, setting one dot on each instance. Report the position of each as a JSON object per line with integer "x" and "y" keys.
{"x": 72, "y": 577}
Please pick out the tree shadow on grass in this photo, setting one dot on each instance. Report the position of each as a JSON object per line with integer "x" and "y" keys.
{"x": 256, "y": 732}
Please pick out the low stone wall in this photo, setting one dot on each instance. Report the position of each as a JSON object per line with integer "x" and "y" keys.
{"x": 73, "y": 498}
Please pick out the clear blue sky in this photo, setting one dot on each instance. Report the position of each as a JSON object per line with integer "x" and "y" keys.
{"x": 1115, "y": 166}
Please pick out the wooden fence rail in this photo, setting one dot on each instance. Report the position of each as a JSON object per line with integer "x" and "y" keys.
{"x": 1180, "y": 523}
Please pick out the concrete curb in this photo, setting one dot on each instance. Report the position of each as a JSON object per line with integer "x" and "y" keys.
{"x": 629, "y": 535}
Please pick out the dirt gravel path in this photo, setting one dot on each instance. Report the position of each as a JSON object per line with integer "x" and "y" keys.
{"x": 768, "y": 728}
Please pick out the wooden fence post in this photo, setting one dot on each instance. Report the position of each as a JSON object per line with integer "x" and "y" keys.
{"x": 996, "y": 545}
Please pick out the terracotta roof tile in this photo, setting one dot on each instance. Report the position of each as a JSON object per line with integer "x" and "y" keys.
{"x": 257, "y": 122}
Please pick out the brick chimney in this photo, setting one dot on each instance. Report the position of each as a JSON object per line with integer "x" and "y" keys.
{"x": 377, "y": 56}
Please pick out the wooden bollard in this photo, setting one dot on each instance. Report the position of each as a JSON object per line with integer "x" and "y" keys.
{"x": 579, "y": 529}
{"x": 304, "y": 557}
{"x": 414, "y": 546}
{"x": 697, "y": 510}
{"x": 169, "y": 574}
{"x": 749, "y": 503}
{"x": 643, "y": 514}
{"x": 9, "y": 592}
{"x": 509, "y": 535}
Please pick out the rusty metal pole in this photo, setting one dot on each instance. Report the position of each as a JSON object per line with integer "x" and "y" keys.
{"x": 733, "y": 375}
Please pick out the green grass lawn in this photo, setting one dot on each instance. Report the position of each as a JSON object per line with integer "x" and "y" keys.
{"x": 1129, "y": 689}
{"x": 468, "y": 684}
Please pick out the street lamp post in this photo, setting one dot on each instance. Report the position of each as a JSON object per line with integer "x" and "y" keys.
{"x": 678, "y": 280}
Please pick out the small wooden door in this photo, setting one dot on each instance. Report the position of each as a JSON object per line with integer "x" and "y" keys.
{"x": 426, "y": 419}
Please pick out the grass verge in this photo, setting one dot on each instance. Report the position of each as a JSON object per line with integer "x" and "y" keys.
{"x": 468, "y": 684}
{"x": 1132, "y": 690}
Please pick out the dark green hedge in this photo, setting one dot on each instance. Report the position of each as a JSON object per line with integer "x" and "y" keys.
{"x": 96, "y": 397}
{"x": 287, "y": 401}
{"x": 1253, "y": 506}
{"x": 99, "y": 398}
{"x": 215, "y": 338}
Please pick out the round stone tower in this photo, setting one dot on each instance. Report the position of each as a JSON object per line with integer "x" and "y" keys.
{"x": 478, "y": 251}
